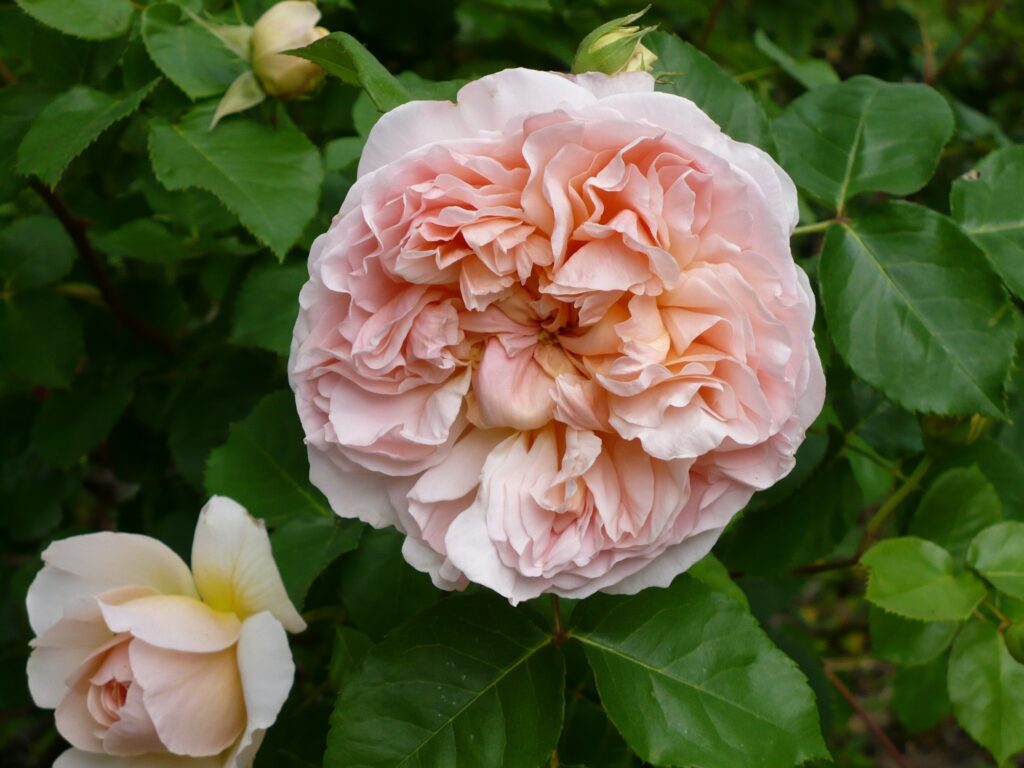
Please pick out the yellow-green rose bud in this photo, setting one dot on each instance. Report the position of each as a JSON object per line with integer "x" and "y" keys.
{"x": 615, "y": 47}
{"x": 285, "y": 26}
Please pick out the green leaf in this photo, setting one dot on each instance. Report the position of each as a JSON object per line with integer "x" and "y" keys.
{"x": 905, "y": 641}
{"x": 70, "y": 424}
{"x": 710, "y": 572}
{"x": 985, "y": 684}
{"x": 810, "y": 73}
{"x": 863, "y": 135}
{"x": 47, "y": 359}
{"x": 143, "y": 240}
{"x": 69, "y": 124}
{"x": 997, "y": 553}
{"x": 914, "y": 309}
{"x": 379, "y": 589}
{"x": 589, "y": 739}
{"x": 268, "y": 303}
{"x": 343, "y": 56}
{"x": 689, "y": 678}
{"x": 687, "y": 72}
{"x": 34, "y": 251}
{"x": 350, "y": 646}
{"x": 469, "y": 682}
{"x": 914, "y": 578}
{"x": 958, "y": 505}
{"x": 19, "y": 105}
{"x": 986, "y": 202}
{"x": 305, "y": 546}
{"x": 919, "y": 695}
{"x": 192, "y": 57}
{"x": 1001, "y": 466}
{"x": 342, "y": 154}
{"x": 90, "y": 19}
{"x": 270, "y": 178}
{"x": 263, "y": 464}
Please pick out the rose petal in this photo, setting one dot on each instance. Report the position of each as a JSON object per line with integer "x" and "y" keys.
{"x": 234, "y": 566}
{"x": 174, "y": 622}
{"x": 267, "y": 672}
{"x": 87, "y": 565}
{"x": 76, "y": 758}
{"x": 194, "y": 699}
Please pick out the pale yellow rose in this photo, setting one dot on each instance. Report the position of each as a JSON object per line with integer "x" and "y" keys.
{"x": 151, "y": 665}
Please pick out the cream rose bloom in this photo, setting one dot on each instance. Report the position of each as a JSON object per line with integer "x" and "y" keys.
{"x": 149, "y": 665}
{"x": 555, "y": 335}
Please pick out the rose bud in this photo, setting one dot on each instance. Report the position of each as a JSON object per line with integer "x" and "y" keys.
{"x": 615, "y": 47}
{"x": 285, "y": 26}
{"x": 149, "y": 664}
{"x": 555, "y": 335}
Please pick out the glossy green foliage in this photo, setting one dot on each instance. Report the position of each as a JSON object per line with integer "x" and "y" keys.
{"x": 863, "y": 135}
{"x": 469, "y": 682}
{"x": 914, "y": 309}
{"x": 676, "y": 669}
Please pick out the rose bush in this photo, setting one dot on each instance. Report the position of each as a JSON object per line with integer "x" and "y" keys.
{"x": 555, "y": 335}
{"x": 150, "y": 665}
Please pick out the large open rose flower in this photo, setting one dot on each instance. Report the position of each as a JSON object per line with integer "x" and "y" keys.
{"x": 555, "y": 335}
{"x": 150, "y": 665}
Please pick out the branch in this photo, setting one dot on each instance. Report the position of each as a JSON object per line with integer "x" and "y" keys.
{"x": 709, "y": 25}
{"x": 951, "y": 57}
{"x": 898, "y": 757}
{"x": 76, "y": 229}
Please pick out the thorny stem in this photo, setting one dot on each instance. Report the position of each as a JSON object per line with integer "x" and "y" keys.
{"x": 808, "y": 229}
{"x": 951, "y": 57}
{"x": 1003, "y": 619}
{"x": 709, "y": 25}
{"x": 877, "y": 460}
{"x": 874, "y": 524}
{"x": 908, "y": 487}
{"x": 76, "y": 229}
{"x": 556, "y": 616}
{"x": 898, "y": 757}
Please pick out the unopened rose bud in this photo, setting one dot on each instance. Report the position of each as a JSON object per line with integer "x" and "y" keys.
{"x": 615, "y": 47}
{"x": 285, "y": 26}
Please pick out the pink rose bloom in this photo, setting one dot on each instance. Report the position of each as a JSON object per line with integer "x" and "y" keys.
{"x": 150, "y": 665}
{"x": 555, "y": 335}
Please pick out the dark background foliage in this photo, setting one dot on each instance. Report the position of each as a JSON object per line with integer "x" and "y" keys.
{"x": 144, "y": 334}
